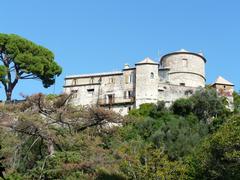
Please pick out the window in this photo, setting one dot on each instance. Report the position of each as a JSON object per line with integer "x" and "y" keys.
{"x": 152, "y": 75}
{"x": 90, "y": 91}
{"x": 111, "y": 80}
{"x": 91, "y": 80}
{"x": 188, "y": 92}
{"x": 185, "y": 62}
{"x": 182, "y": 84}
{"x": 131, "y": 78}
{"x": 74, "y": 93}
{"x": 128, "y": 78}
{"x": 74, "y": 81}
{"x": 128, "y": 94}
{"x": 111, "y": 98}
{"x": 125, "y": 95}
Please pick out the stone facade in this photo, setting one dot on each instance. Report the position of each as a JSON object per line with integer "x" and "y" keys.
{"x": 177, "y": 75}
{"x": 147, "y": 79}
{"x": 225, "y": 88}
{"x": 185, "y": 68}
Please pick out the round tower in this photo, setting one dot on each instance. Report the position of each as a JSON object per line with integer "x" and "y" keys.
{"x": 185, "y": 68}
{"x": 146, "y": 90}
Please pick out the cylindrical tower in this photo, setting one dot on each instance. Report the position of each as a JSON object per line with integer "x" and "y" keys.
{"x": 186, "y": 68}
{"x": 146, "y": 89}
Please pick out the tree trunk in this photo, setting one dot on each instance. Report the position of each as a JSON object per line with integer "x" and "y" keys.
{"x": 50, "y": 146}
{"x": 9, "y": 89}
{"x": 9, "y": 95}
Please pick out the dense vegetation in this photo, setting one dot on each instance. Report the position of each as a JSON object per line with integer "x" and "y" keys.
{"x": 47, "y": 138}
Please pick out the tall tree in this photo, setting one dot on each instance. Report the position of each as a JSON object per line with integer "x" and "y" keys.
{"x": 23, "y": 59}
{"x": 218, "y": 156}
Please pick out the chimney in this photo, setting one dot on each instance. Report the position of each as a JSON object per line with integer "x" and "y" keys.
{"x": 126, "y": 66}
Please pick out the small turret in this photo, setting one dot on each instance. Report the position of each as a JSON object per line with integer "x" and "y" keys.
{"x": 225, "y": 88}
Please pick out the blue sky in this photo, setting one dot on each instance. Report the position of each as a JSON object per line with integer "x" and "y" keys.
{"x": 93, "y": 36}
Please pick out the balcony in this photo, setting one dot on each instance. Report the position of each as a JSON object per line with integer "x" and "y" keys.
{"x": 115, "y": 101}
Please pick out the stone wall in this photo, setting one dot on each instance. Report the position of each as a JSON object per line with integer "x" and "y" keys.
{"x": 179, "y": 76}
{"x": 111, "y": 91}
{"x": 185, "y": 68}
{"x": 147, "y": 80}
{"x": 170, "y": 93}
{"x": 227, "y": 92}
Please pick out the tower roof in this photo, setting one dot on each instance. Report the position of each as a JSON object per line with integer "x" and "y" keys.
{"x": 147, "y": 60}
{"x": 183, "y": 51}
{"x": 221, "y": 80}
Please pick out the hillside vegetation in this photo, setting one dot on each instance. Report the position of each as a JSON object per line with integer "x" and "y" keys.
{"x": 47, "y": 138}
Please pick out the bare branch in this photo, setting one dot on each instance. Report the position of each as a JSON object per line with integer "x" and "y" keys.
{"x": 29, "y": 76}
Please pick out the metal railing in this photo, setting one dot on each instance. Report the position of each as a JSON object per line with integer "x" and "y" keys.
{"x": 105, "y": 101}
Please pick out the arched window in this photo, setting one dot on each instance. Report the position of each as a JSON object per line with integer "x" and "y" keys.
{"x": 152, "y": 75}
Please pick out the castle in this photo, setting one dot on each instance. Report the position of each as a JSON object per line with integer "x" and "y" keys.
{"x": 178, "y": 74}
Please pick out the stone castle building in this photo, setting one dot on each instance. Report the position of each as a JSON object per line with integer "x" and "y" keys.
{"x": 178, "y": 74}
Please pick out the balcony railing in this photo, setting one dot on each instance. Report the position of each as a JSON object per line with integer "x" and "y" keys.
{"x": 114, "y": 101}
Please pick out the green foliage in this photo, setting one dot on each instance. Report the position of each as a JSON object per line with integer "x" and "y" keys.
{"x": 16, "y": 176}
{"x": 128, "y": 132}
{"x": 8, "y": 143}
{"x": 179, "y": 135}
{"x": 144, "y": 110}
{"x": 153, "y": 142}
{"x": 51, "y": 96}
{"x": 32, "y": 150}
{"x": 104, "y": 174}
{"x": 207, "y": 104}
{"x": 182, "y": 107}
{"x": 2, "y": 168}
{"x": 147, "y": 127}
{"x": 149, "y": 109}
{"x": 150, "y": 163}
{"x": 3, "y": 72}
{"x": 23, "y": 59}
{"x": 218, "y": 157}
{"x": 236, "y": 99}
{"x": 62, "y": 165}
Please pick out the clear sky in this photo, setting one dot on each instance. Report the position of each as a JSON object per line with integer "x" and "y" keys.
{"x": 90, "y": 36}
